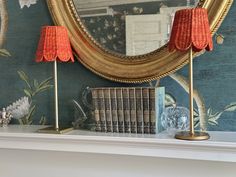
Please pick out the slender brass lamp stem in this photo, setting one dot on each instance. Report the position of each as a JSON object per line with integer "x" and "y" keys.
{"x": 55, "y": 129}
{"x": 56, "y": 95}
{"x": 191, "y": 91}
{"x": 191, "y": 134}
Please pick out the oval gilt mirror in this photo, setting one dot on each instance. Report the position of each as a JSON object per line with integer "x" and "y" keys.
{"x": 125, "y": 40}
{"x": 130, "y": 27}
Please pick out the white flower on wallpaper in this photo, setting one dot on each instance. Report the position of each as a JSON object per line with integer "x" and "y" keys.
{"x": 27, "y": 3}
{"x": 20, "y": 108}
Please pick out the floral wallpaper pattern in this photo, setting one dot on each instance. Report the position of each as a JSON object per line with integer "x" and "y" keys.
{"x": 24, "y": 108}
{"x": 27, "y": 3}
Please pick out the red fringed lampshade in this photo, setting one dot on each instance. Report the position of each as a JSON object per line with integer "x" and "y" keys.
{"x": 191, "y": 32}
{"x": 54, "y": 45}
{"x": 191, "y": 29}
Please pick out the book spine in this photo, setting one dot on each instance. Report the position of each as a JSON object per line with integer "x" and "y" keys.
{"x": 126, "y": 110}
{"x": 108, "y": 112}
{"x": 120, "y": 110}
{"x": 95, "y": 102}
{"x": 146, "y": 114}
{"x": 133, "y": 120}
{"x": 114, "y": 110}
{"x": 102, "y": 113}
{"x": 139, "y": 109}
{"x": 152, "y": 110}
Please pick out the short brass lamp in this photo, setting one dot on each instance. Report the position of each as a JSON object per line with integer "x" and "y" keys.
{"x": 191, "y": 32}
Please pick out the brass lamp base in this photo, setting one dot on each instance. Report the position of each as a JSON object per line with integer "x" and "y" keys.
{"x": 197, "y": 136}
{"x": 53, "y": 130}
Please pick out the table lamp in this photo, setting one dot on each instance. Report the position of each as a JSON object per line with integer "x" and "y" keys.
{"x": 191, "y": 32}
{"x": 54, "y": 45}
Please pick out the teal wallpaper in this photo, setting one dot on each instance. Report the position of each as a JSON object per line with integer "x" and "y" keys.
{"x": 214, "y": 73}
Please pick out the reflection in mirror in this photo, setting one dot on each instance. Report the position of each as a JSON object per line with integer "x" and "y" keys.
{"x": 130, "y": 27}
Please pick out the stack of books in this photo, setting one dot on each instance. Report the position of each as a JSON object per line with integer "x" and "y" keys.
{"x": 128, "y": 109}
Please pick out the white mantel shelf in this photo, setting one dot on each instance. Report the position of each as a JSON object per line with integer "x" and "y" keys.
{"x": 221, "y": 146}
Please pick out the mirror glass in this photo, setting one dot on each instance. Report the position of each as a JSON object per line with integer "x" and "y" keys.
{"x": 130, "y": 27}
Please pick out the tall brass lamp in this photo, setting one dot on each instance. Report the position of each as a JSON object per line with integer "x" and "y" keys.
{"x": 191, "y": 32}
{"x": 54, "y": 45}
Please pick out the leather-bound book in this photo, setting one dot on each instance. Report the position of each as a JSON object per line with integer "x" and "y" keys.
{"x": 126, "y": 102}
{"x": 107, "y": 95}
{"x": 146, "y": 110}
{"x": 102, "y": 113}
{"x": 133, "y": 116}
{"x": 120, "y": 110}
{"x": 95, "y": 103}
{"x": 114, "y": 110}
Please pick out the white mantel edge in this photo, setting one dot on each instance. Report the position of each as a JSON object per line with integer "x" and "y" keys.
{"x": 149, "y": 147}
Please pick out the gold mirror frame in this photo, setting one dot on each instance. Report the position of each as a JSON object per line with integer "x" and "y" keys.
{"x": 121, "y": 68}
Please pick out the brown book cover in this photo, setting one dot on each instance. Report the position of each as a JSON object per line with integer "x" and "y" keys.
{"x": 139, "y": 109}
{"x": 146, "y": 115}
{"x": 133, "y": 120}
{"x": 114, "y": 110}
{"x": 102, "y": 113}
{"x": 126, "y": 110}
{"x": 152, "y": 111}
{"x": 120, "y": 110}
{"x": 107, "y": 96}
{"x": 95, "y": 102}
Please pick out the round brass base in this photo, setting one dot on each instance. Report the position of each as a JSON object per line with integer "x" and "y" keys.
{"x": 197, "y": 136}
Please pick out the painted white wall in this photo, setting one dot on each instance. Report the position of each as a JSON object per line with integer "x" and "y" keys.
{"x": 27, "y": 163}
